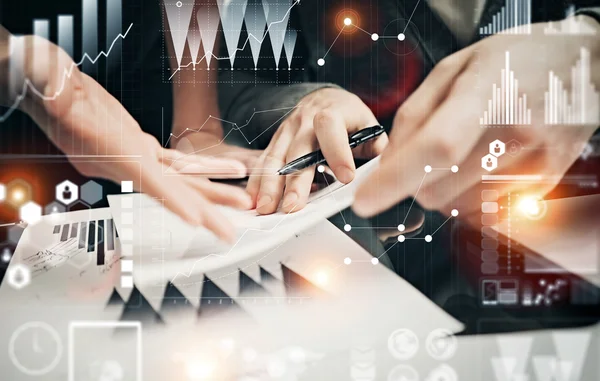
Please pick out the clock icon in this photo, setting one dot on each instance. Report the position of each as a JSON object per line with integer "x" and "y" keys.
{"x": 35, "y": 348}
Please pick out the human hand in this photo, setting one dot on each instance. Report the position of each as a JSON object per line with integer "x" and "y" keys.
{"x": 323, "y": 119}
{"x": 93, "y": 128}
{"x": 439, "y": 125}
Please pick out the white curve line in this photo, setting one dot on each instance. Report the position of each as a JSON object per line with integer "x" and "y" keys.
{"x": 388, "y": 249}
{"x": 411, "y": 15}
{"x": 239, "y": 268}
{"x": 443, "y": 223}
{"x": 232, "y": 247}
{"x": 296, "y": 2}
{"x": 334, "y": 199}
{"x": 414, "y": 198}
{"x": 333, "y": 43}
{"x": 235, "y": 128}
{"x": 234, "y": 124}
{"x": 66, "y": 74}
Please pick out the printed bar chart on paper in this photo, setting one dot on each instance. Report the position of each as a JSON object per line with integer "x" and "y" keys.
{"x": 580, "y": 105}
{"x": 571, "y": 25}
{"x": 506, "y": 107}
{"x": 513, "y": 18}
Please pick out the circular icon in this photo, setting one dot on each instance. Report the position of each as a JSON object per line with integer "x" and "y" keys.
{"x": 403, "y": 373}
{"x": 442, "y": 373}
{"x": 441, "y": 344}
{"x": 35, "y": 348}
{"x": 403, "y": 344}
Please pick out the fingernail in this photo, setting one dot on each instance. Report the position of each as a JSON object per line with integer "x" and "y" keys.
{"x": 290, "y": 199}
{"x": 264, "y": 200}
{"x": 344, "y": 174}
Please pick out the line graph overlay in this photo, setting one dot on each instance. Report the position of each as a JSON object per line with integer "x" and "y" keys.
{"x": 235, "y": 127}
{"x": 67, "y": 73}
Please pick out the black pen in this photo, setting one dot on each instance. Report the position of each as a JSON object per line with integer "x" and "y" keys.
{"x": 317, "y": 157}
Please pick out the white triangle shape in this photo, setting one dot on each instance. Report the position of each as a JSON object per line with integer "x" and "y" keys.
{"x": 179, "y": 18}
{"x": 232, "y": 16}
{"x": 194, "y": 42}
{"x": 277, "y": 20}
{"x": 208, "y": 23}
{"x": 572, "y": 346}
{"x": 289, "y": 44}
{"x": 256, "y": 22}
{"x": 544, "y": 368}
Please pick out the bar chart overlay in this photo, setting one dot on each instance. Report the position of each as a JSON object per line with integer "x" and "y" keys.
{"x": 506, "y": 107}
{"x": 572, "y": 25}
{"x": 580, "y": 105}
{"x": 513, "y": 18}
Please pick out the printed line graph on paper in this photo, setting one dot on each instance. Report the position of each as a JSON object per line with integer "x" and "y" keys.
{"x": 67, "y": 73}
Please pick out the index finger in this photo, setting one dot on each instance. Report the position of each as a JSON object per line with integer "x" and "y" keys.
{"x": 332, "y": 134}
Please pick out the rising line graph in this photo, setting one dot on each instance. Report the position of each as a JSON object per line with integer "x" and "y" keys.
{"x": 67, "y": 73}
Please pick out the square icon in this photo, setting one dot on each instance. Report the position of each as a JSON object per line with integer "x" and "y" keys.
{"x": 127, "y": 186}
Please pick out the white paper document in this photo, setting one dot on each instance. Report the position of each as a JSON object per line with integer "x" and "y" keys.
{"x": 153, "y": 228}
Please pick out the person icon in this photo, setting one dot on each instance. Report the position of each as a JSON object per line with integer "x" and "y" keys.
{"x": 497, "y": 148}
{"x": 489, "y": 162}
{"x": 67, "y": 194}
{"x": 513, "y": 148}
{"x": 19, "y": 276}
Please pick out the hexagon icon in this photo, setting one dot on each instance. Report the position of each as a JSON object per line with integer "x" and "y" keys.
{"x": 56, "y": 211}
{"x": 91, "y": 192}
{"x": 497, "y": 148}
{"x": 489, "y": 162}
{"x": 2, "y": 192}
{"x": 18, "y": 192}
{"x": 6, "y": 255}
{"x": 514, "y": 147}
{"x": 67, "y": 192}
{"x": 30, "y": 212}
{"x": 14, "y": 233}
{"x": 19, "y": 276}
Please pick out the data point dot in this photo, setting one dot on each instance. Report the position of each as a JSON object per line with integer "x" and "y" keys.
{"x": 374, "y": 37}
{"x": 454, "y": 168}
{"x": 320, "y": 62}
{"x": 454, "y": 212}
{"x": 321, "y": 168}
{"x": 347, "y": 261}
{"x": 347, "y": 21}
{"x": 428, "y": 168}
{"x": 428, "y": 238}
{"x": 401, "y": 238}
{"x": 374, "y": 261}
{"x": 401, "y": 227}
{"x": 401, "y": 37}
{"x": 179, "y": 4}
{"x": 347, "y": 227}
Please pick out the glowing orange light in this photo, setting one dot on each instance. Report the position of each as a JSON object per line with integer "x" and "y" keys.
{"x": 321, "y": 277}
{"x": 347, "y": 20}
{"x": 18, "y": 195}
{"x": 532, "y": 207}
